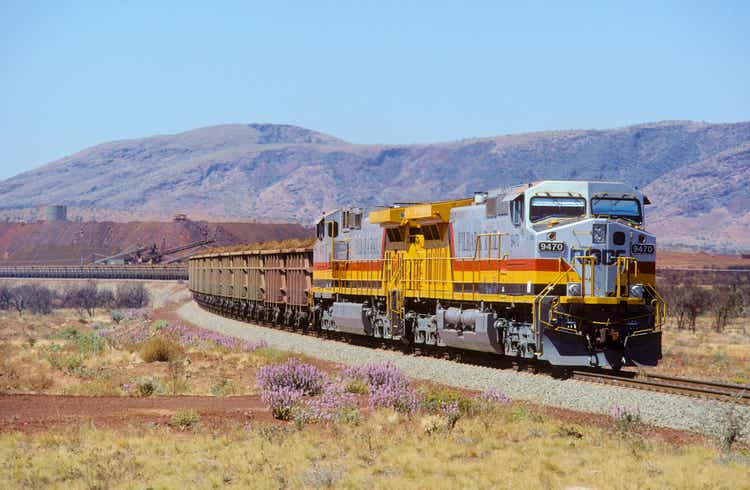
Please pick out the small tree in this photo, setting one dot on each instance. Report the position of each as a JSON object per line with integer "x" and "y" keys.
{"x": 132, "y": 295}
{"x": 676, "y": 298}
{"x": 105, "y": 298}
{"x": 695, "y": 302}
{"x": 18, "y": 300}
{"x": 6, "y": 295}
{"x": 38, "y": 299}
{"x": 727, "y": 304}
{"x": 84, "y": 297}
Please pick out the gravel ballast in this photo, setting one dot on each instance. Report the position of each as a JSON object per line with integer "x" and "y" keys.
{"x": 660, "y": 409}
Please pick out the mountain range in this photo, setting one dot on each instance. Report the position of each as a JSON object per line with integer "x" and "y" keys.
{"x": 696, "y": 174}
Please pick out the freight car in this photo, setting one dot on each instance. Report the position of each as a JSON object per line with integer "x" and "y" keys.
{"x": 557, "y": 271}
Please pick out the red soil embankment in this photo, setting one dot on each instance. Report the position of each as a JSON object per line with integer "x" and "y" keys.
{"x": 70, "y": 242}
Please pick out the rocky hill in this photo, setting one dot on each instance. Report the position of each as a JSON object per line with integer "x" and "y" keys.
{"x": 695, "y": 173}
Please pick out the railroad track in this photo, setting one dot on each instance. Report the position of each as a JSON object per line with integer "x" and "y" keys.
{"x": 668, "y": 384}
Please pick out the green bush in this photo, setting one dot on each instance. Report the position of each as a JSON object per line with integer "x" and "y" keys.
{"x": 72, "y": 363}
{"x": 67, "y": 333}
{"x": 88, "y": 343}
{"x": 158, "y": 325}
{"x": 224, "y": 388}
{"x": 357, "y": 386}
{"x": 117, "y": 316}
{"x": 185, "y": 419}
{"x": 159, "y": 349}
{"x": 146, "y": 386}
{"x": 434, "y": 399}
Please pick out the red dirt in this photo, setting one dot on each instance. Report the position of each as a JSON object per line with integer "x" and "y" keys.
{"x": 700, "y": 260}
{"x": 32, "y": 413}
{"x": 68, "y": 242}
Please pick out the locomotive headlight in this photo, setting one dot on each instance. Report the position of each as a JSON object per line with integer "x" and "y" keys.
{"x": 599, "y": 233}
{"x": 574, "y": 289}
{"x": 636, "y": 291}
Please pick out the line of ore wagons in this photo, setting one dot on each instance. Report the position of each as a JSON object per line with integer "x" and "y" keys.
{"x": 276, "y": 275}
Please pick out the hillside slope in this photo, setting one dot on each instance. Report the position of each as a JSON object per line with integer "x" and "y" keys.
{"x": 706, "y": 204}
{"x": 277, "y": 172}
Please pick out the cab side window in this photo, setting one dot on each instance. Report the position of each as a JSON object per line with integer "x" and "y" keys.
{"x": 333, "y": 229}
{"x": 320, "y": 229}
{"x": 516, "y": 211}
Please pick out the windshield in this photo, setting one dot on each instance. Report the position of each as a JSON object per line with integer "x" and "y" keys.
{"x": 629, "y": 209}
{"x": 556, "y": 207}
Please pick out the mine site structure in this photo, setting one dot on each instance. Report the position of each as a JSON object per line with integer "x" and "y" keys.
{"x": 556, "y": 271}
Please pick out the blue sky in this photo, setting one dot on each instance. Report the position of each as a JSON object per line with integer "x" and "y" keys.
{"x": 75, "y": 74}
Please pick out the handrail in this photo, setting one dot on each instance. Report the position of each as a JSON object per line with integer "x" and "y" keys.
{"x": 536, "y": 307}
{"x": 623, "y": 264}
{"x": 657, "y": 302}
{"x": 587, "y": 260}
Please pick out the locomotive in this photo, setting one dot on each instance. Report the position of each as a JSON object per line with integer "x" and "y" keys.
{"x": 562, "y": 272}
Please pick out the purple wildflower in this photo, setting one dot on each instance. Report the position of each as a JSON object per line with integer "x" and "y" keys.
{"x": 493, "y": 395}
{"x": 397, "y": 396}
{"x": 292, "y": 374}
{"x": 387, "y": 384}
{"x": 282, "y": 401}
{"x": 331, "y": 404}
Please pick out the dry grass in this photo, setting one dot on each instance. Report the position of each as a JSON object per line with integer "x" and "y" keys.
{"x": 42, "y": 354}
{"x": 706, "y": 354}
{"x": 506, "y": 448}
{"x": 160, "y": 349}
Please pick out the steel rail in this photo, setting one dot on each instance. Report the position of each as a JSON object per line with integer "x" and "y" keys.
{"x": 692, "y": 387}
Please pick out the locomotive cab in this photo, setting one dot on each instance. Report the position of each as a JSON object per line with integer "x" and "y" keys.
{"x": 596, "y": 229}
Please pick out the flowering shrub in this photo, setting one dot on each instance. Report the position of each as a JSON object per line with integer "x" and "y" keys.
{"x": 397, "y": 396}
{"x": 197, "y": 337}
{"x": 282, "y": 400}
{"x": 138, "y": 332}
{"x": 333, "y": 405}
{"x": 387, "y": 384}
{"x": 376, "y": 375}
{"x": 493, "y": 395}
{"x": 293, "y": 374}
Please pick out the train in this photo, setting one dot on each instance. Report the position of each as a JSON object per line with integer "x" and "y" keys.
{"x": 558, "y": 272}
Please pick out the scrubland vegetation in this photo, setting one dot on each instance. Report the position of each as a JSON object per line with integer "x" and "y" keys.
{"x": 63, "y": 354}
{"x": 708, "y": 326}
{"x": 501, "y": 445}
